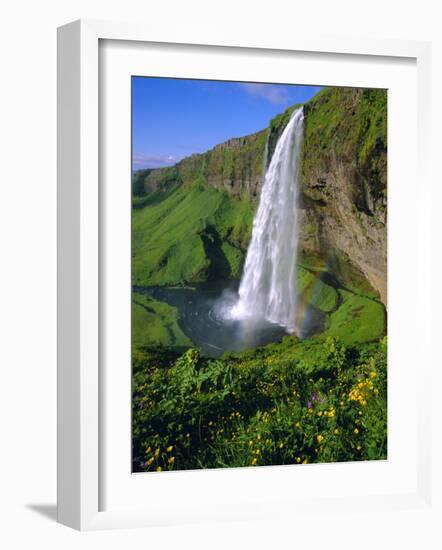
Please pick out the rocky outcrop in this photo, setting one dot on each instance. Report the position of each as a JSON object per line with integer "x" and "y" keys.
{"x": 235, "y": 166}
{"x": 344, "y": 180}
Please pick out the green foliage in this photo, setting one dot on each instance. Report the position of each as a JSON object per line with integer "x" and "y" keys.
{"x": 193, "y": 234}
{"x": 155, "y": 323}
{"x": 315, "y": 291}
{"x": 358, "y": 319}
{"x": 288, "y": 403}
{"x": 138, "y": 179}
{"x": 337, "y": 267}
{"x": 350, "y": 123}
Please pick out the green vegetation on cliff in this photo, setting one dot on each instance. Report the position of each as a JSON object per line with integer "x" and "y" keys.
{"x": 357, "y": 319}
{"x": 351, "y": 124}
{"x": 315, "y": 291}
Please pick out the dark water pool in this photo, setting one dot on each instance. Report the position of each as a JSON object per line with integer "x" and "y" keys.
{"x": 203, "y": 317}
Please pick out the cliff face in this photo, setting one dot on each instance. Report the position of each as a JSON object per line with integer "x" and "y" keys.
{"x": 344, "y": 180}
{"x": 343, "y": 199}
{"x": 235, "y": 166}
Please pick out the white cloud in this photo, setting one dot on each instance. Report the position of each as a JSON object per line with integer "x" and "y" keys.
{"x": 273, "y": 93}
{"x": 141, "y": 160}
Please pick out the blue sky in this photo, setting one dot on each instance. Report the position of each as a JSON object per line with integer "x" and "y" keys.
{"x": 173, "y": 118}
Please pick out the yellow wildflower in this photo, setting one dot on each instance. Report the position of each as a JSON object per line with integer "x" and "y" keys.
{"x": 169, "y": 448}
{"x": 159, "y": 468}
{"x": 254, "y": 461}
{"x": 356, "y": 431}
{"x": 157, "y": 451}
{"x": 336, "y": 432}
{"x": 319, "y": 438}
{"x": 171, "y": 460}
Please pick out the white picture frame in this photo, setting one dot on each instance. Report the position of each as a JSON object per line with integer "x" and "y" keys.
{"x": 79, "y": 274}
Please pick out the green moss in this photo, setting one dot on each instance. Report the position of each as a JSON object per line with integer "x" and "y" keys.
{"x": 138, "y": 180}
{"x": 350, "y": 123}
{"x": 341, "y": 269}
{"x": 234, "y": 258}
{"x": 196, "y": 233}
{"x": 315, "y": 291}
{"x": 155, "y": 323}
{"x": 349, "y": 276}
{"x": 358, "y": 319}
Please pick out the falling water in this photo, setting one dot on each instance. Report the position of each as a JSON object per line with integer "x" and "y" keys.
{"x": 268, "y": 285}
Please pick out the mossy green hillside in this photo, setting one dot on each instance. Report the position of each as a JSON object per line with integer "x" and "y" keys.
{"x": 155, "y": 323}
{"x": 313, "y": 290}
{"x": 357, "y": 319}
{"x": 351, "y": 315}
{"x": 196, "y": 233}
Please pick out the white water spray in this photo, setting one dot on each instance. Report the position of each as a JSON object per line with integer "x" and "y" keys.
{"x": 268, "y": 285}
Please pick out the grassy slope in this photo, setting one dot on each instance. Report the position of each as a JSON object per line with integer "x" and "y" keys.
{"x": 155, "y": 323}
{"x": 358, "y": 319}
{"x": 194, "y": 234}
{"x": 315, "y": 292}
{"x": 353, "y": 314}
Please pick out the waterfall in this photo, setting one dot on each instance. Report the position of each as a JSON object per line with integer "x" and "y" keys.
{"x": 268, "y": 285}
